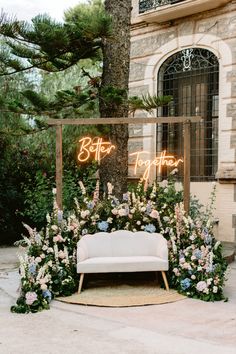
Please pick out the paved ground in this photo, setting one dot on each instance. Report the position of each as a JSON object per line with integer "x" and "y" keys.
{"x": 184, "y": 327}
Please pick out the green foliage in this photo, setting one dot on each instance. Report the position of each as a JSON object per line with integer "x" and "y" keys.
{"x": 147, "y": 102}
{"x": 196, "y": 266}
{"x": 50, "y": 45}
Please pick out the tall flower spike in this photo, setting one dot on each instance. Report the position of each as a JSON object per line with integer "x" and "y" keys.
{"x": 82, "y": 187}
{"x": 96, "y": 193}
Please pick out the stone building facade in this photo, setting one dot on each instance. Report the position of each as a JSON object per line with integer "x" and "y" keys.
{"x": 187, "y": 48}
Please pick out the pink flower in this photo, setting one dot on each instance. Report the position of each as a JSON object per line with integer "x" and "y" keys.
{"x": 61, "y": 254}
{"x": 122, "y": 212}
{"x": 58, "y": 238}
{"x": 201, "y": 286}
{"x": 31, "y": 297}
{"x": 154, "y": 214}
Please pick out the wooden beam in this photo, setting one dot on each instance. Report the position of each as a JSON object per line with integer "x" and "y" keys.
{"x": 141, "y": 120}
{"x": 187, "y": 148}
{"x": 59, "y": 166}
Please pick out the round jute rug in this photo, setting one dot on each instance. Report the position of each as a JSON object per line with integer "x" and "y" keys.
{"x": 123, "y": 295}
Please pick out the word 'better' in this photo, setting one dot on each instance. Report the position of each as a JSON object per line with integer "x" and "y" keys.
{"x": 96, "y": 147}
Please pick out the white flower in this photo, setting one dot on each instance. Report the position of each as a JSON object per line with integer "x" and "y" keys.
{"x": 114, "y": 211}
{"x": 109, "y": 220}
{"x": 54, "y": 191}
{"x": 84, "y": 213}
{"x": 109, "y": 188}
{"x": 215, "y": 289}
{"x": 209, "y": 281}
{"x": 174, "y": 171}
{"x": 164, "y": 183}
{"x": 54, "y": 227}
{"x": 83, "y": 190}
{"x": 193, "y": 277}
{"x": 217, "y": 245}
{"x": 122, "y": 212}
{"x": 138, "y": 222}
{"x": 43, "y": 287}
{"x": 61, "y": 254}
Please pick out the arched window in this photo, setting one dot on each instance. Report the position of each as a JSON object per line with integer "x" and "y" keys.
{"x": 191, "y": 77}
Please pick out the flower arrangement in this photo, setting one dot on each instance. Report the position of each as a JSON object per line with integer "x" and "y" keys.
{"x": 197, "y": 268}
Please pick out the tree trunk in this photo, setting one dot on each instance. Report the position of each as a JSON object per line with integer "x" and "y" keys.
{"x": 116, "y": 57}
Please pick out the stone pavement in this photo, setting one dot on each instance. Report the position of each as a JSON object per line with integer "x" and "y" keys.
{"x": 184, "y": 327}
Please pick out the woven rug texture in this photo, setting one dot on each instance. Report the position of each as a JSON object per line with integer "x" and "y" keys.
{"x": 123, "y": 295}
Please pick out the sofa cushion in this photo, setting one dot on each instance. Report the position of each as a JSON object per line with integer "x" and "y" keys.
{"x": 122, "y": 264}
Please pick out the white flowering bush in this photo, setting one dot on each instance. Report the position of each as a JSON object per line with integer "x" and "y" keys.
{"x": 47, "y": 268}
{"x": 197, "y": 268}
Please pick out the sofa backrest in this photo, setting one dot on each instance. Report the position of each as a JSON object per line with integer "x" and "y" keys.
{"x": 122, "y": 243}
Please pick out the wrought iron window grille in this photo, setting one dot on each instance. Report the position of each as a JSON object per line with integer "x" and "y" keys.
{"x": 191, "y": 77}
{"x": 147, "y": 5}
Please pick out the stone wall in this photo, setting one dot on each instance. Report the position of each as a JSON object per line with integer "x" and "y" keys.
{"x": 152, "y": 44}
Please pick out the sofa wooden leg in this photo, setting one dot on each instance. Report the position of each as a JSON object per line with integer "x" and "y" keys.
{"x": 80, "y": 282}
{"x": 165, "y": 280}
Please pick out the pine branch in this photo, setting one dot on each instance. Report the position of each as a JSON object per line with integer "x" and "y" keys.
{"x": 49, "y": 45}
{"x": 147, "y": 102}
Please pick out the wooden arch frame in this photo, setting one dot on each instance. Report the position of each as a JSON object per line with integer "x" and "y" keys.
{"x": 58, "y": 123}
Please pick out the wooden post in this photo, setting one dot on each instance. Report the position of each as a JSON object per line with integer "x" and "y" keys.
{"x": 59, "y": 165}
{"x": 186, "y": 166}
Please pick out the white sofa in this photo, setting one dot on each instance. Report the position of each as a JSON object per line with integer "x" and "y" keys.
{"x": 122, "y": 251}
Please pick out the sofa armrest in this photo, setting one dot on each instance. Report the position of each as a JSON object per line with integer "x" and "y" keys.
{"x": 162, "y": 248}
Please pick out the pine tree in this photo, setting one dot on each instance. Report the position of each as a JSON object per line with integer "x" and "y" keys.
{"x": 90, "y": 31}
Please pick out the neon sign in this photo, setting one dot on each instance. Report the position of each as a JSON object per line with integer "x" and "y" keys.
{"x": 96, "y": 146}
{"x": 159, "y": 162}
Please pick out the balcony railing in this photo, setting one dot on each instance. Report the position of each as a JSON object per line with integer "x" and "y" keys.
{"x": 147, "y": 5}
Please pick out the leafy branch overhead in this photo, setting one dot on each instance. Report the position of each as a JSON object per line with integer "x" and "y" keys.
{"x": 50, "y": 45}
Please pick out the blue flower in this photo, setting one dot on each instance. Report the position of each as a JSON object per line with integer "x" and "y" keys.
{"x": 47, "y": 295}
{"x": 84, "y": 232}
{"x": 185, "y": 283}
{"x": 103, "y": 225}
{"x": 90, "y": 205}
{"x": 32, "y": 269}
{"x": 198, "y": 254}
{"x": 150, "y": 228}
